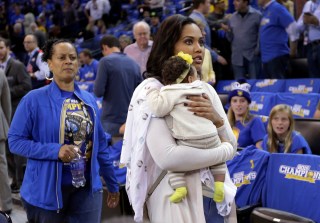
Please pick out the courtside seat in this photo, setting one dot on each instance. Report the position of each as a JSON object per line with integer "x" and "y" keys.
{"x": 224, "y": 100}
{"x": 309, "y": 129}
{"x": 267, "y": 215}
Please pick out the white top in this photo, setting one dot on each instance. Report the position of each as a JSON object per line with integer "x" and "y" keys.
{"x": 149, "y": 149}
{"x": 169, "y": 103}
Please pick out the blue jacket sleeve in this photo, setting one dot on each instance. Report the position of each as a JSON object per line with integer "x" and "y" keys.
{"x": 20, "y": 137}
{"x": 106, "y": 166}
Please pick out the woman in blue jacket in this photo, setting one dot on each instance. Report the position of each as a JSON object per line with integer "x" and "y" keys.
{"x": 49, "y": 125}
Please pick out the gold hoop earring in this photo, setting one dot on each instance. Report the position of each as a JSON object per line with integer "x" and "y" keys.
{"x": 48, "y": 78}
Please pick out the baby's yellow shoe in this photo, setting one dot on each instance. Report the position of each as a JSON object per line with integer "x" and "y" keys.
{"x": 218, "y": 195}
{"x": 178, "y": 195}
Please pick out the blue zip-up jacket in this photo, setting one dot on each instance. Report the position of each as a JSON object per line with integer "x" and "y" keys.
{"x": 36, "y": 133}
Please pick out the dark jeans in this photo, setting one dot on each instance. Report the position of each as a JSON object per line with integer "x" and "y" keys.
{"x": 210, "y": 211}
{"x": 249, "y": 69}
{"x": 313, "y": 55}
{"x": 277, "y": 67}
{"x": 79, "y": 206}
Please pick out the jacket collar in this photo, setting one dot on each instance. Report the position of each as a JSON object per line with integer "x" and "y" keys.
{"x": 56, "y": 92}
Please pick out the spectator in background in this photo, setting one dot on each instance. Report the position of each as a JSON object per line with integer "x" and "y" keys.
{"x": 281, "y": 137}
{"x": 32, "y": 7}
{"x": 37, "y": 69}
{"x": 5, "y": 119}
{"x": 69, "y": 13}
{"x": 19, "y": 84}
{"x": 289, "y": 6}
{"x": 140, "y": 50}
{"x": 17, "y": 17}
{"x": 118, "y": 75}
{"x": 207, "y": 72}
{"x": 29, "y": 18}
{"x": 243, "y": 33}
{"x": 124, "y": 41}
{"x": 97, "y": 27}
{"x": 57, "y": 16}
{"x": 154, "y": 23}
{"x": 276, "y": 25}
{"x": 45, "y": 8}
{"x": 219, "y": 40}
{"x": 155, "y": 5}
{"x": 217, "y": 17}
{"x": 3, "y": 20}
{"x": 248, "y": 129}
{"x": 17, "y": 42}
{"x": 308, "y": 24}
{"x": 42, "y": 22}
{"x": 89, "y": 69}
{"x": 41, "y": 36}
{"x": 50, "y": 145}
{"x": 95, "y": 9}
{"x": 201, "y": 9}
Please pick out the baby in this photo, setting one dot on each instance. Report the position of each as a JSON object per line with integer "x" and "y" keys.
{"x": 181, "y": 80}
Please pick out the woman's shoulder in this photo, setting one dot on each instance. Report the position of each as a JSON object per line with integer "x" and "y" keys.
{"x": 296, "y": 136}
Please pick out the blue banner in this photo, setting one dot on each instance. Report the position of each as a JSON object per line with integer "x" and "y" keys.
{"x": 262, "y": 103}
{"x": 269, "y": 85}
{"x": 248, "y": 171}
{"x": 302, "y": 105}
{"x": 224, "y": 86}
{"x": 303, "y": 86}
{"x": 293, "y": 184}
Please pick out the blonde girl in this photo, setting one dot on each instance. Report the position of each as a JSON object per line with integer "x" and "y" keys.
{"x": 281, "y": 137}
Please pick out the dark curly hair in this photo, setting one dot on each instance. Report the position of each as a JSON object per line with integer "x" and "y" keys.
{"x": 49, "y": 46}
{"x": 164, "y": 42}
{"x": 173, "y": 68}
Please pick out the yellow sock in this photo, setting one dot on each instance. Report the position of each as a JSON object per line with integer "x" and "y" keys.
{"x": 218, "y": 195}
{"x": 178, "y": 194}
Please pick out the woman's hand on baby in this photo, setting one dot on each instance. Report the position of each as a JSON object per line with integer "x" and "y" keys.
{"x": 202, "y": 106}
{"x": 68, "y": 153}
